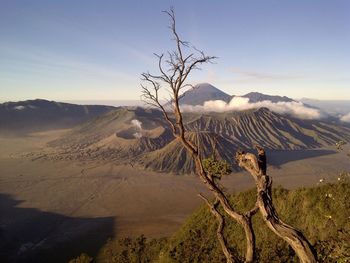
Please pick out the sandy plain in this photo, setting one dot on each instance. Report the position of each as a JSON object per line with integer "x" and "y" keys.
{"x": 49, "y": 206}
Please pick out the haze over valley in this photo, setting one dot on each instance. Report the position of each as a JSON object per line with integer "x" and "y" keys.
{"x": 75, "y": 168}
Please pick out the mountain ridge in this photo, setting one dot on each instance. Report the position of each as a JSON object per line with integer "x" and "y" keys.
{"x": 39, "y": 114}
{"x": 203, "y": 92}
{"x": 151, "y": 145}
{"x": 206, "y": 92}
{"x": 257, "y": 97}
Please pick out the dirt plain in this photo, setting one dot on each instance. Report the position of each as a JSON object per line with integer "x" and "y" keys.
{"x": 46, "y": 204}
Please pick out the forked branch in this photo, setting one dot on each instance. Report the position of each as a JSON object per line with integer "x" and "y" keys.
{"x": 230, "y": 258}
{"x": 263, "y": 182}
{"x": 174, "y": 72}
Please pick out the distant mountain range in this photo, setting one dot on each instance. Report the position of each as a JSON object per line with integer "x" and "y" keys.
{"x": 330, "y": 106}
{"x": 256, "y": 97}
{"x": 205, "y": 92}
{"x": 37, "y": 115}
{"x": 141, "y": 137}
{"x": 202, "y": 93}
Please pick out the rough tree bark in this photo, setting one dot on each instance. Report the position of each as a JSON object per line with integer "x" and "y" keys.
{"x": 263, "y": 182}
{"x": 174, "y": 71}
{"x": 230, "y": 258}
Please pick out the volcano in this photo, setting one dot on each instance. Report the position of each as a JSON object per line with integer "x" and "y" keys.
{"x": 151, "y": 145}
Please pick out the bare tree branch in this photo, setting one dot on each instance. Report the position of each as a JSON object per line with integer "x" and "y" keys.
{"x": 265, "y": 205}
{"x": 174, "y": 73}
{"x": 230, "y": 258}
{"x": 152, "y": 98}
{"x": 252, "y": 211}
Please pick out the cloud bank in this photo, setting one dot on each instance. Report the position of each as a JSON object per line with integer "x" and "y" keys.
{"x": 345, "y": 118}
{"x": 294, "y": 108}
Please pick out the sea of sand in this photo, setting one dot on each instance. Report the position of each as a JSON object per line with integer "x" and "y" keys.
{"x": 45, "y": 203}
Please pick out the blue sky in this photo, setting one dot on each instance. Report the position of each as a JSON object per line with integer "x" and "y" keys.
{"x": 96, "y": 50}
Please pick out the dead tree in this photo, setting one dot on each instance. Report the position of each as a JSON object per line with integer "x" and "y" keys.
{"x": 174, "y": 69}
{"x": 256, "y": 166}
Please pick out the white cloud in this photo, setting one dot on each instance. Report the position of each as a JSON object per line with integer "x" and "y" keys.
{"x": 345, "y": 118}
{"x": 296, "y": 109}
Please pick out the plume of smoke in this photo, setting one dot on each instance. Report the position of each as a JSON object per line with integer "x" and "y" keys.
{"x": 138, "y": 126}
{"x": 294, "y": 108}
{"x": 20, "y": 107}
{"x": 345, "y": 118}
{"x": 137, "y": 135}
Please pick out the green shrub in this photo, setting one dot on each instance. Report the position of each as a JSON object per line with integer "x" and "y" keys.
{"x": 322, "y": 213}
{"x": 83, "y": 258}
{"x": 131, "y": 250}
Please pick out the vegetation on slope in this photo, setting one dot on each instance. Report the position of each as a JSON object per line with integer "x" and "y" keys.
{"x": 322, "y": 213}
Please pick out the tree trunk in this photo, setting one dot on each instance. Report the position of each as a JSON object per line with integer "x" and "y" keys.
{"x": 230, "y": 258}
{"x": 264, "y": 202}
{"x": 291, "y": 235}
{"x": 243, "y": 220}
{"x": 174, "y": 75}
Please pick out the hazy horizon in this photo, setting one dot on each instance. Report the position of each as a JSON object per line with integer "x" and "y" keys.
{"x": 137, "y": 102}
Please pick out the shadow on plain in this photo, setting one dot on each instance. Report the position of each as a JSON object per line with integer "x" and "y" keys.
{"x": 277, "y": 158}
{"x": 31, "y": 235}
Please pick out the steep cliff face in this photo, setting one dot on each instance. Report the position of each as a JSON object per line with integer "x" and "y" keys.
{"x": 271, "y": 130}
{"x": 174, "y": 157}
